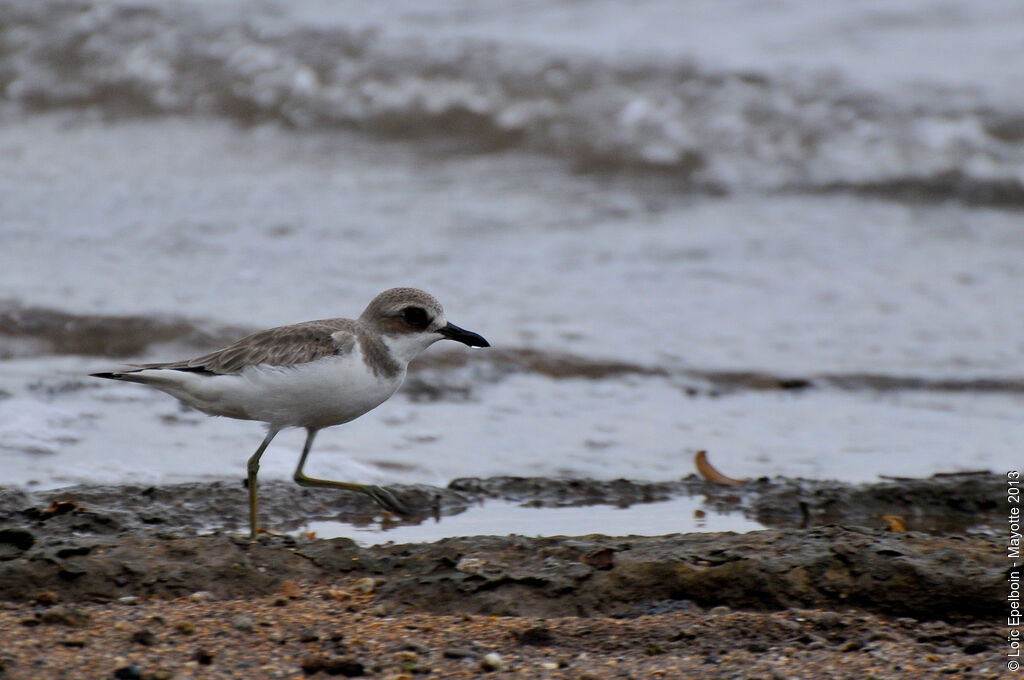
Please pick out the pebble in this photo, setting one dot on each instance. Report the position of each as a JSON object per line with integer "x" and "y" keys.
{"x": 185, "y": 627}
{"x": 457, "y": 653}
{"x": 492, "y": 661}
{"x": 128, "y": 599}
{"x": 47, "y": 597}
{"x": 368, "y": 585}
{"x": 65, "y": 615}
{"x": 348, "y": 667}
{"x": 719, "y": 610}
{"x": 538, "y": 636}
{"x": 201, "y": 596}
{"x": 243, "y": 623}
{"x": 143, "y": 637}
{"x": 976, "y": 646}
{"x": 410, "y": 645}
{"x": 291, "y": 590}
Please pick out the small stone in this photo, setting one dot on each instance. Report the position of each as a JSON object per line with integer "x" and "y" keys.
{"x": 201, "y": 596}
{"x": 143, "y": 637}
{"x": 67, "y": 616}
{"x": 976, "y": 646}
{"x": 549, "y": 665}
{"x": 537, "y": 636}
{"x": 162, "y": 674}
{"x": 851, "y": 646}
{"x": 457, "y": 653}
{"x": 347, "y": 667}
{"x": 492, "y": 661}
{"x": 407, "y": 657}
{"x": 291, "y": 590}
{"x": 243, "y": 623}
{"x": 369, "y": 584}
{"x": 185, "y": 627}
{"x": 128, "y": 599}
{"x": 275, "y": 636}
{"x": 309, "y": 636}
{"x": 337, "y": 594}
{"x": 719, "y": 610}
{"x": 409, "y": 645}
{"x": 47, "y": 597}
{"x": 381, "y": 610}
{"x": 602, "y": 559}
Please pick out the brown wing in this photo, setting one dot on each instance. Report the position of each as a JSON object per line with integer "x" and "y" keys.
{"x": 284, "y": 346}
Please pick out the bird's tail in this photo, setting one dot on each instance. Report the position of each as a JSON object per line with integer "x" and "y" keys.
{"x": 129, "y": 375}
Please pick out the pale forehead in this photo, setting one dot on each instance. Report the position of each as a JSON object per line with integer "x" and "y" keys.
{"x": 395, "y": 299}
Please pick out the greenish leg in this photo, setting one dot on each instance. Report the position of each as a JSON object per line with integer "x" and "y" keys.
{"x": 382, "y": 496}
{"x": 253, "y": 468}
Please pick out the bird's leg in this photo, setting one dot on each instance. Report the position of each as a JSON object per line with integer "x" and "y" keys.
{"x": 253, "y": 468}
{"x": 382, "y": 496}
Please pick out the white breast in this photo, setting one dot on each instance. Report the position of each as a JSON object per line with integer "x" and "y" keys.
{"x": 321, "y": 393}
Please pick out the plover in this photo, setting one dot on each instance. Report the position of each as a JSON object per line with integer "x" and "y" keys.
{"x": 312, "y": 375}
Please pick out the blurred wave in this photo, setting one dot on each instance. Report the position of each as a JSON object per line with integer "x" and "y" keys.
{"x": 707, "y": 129}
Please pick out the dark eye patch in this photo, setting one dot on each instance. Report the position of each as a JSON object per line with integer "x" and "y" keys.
{"x": 416, "y": 317}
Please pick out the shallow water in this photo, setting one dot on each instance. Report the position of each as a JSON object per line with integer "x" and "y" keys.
{"x": 500, "y": 519}
{"x": 678, "y": 191}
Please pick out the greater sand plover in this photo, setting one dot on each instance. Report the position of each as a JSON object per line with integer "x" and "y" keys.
{"x": 311, "y": 375}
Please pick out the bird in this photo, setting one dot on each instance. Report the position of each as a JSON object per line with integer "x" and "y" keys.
{"x": 312, "y": 375}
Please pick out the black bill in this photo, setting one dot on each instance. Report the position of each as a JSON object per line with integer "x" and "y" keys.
{"x": 453, "y": 332}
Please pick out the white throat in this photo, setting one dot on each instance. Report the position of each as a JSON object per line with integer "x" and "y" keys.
{"x": 407, "y": 346}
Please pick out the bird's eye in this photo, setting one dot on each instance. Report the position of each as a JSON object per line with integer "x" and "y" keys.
{"x": 416, "y": 317}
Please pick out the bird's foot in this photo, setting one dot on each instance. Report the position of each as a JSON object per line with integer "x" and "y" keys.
{"x": 387, "y": 500}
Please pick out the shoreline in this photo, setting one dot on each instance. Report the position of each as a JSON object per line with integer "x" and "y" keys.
{"x": 90, "y": 579}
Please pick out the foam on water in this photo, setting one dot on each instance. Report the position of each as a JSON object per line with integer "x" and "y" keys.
{"x": 701, "y": 121}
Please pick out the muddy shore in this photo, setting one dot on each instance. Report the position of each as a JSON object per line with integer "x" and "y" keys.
{"x": 830, "y": 586}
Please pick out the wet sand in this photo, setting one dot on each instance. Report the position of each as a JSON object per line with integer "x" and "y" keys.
{"x": 159, "y": 583}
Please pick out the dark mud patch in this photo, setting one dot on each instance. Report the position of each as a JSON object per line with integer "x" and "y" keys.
{"x": 39, "y": 331}
{"x": 907, "y": 574}
{"x": 102, "y": 543}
